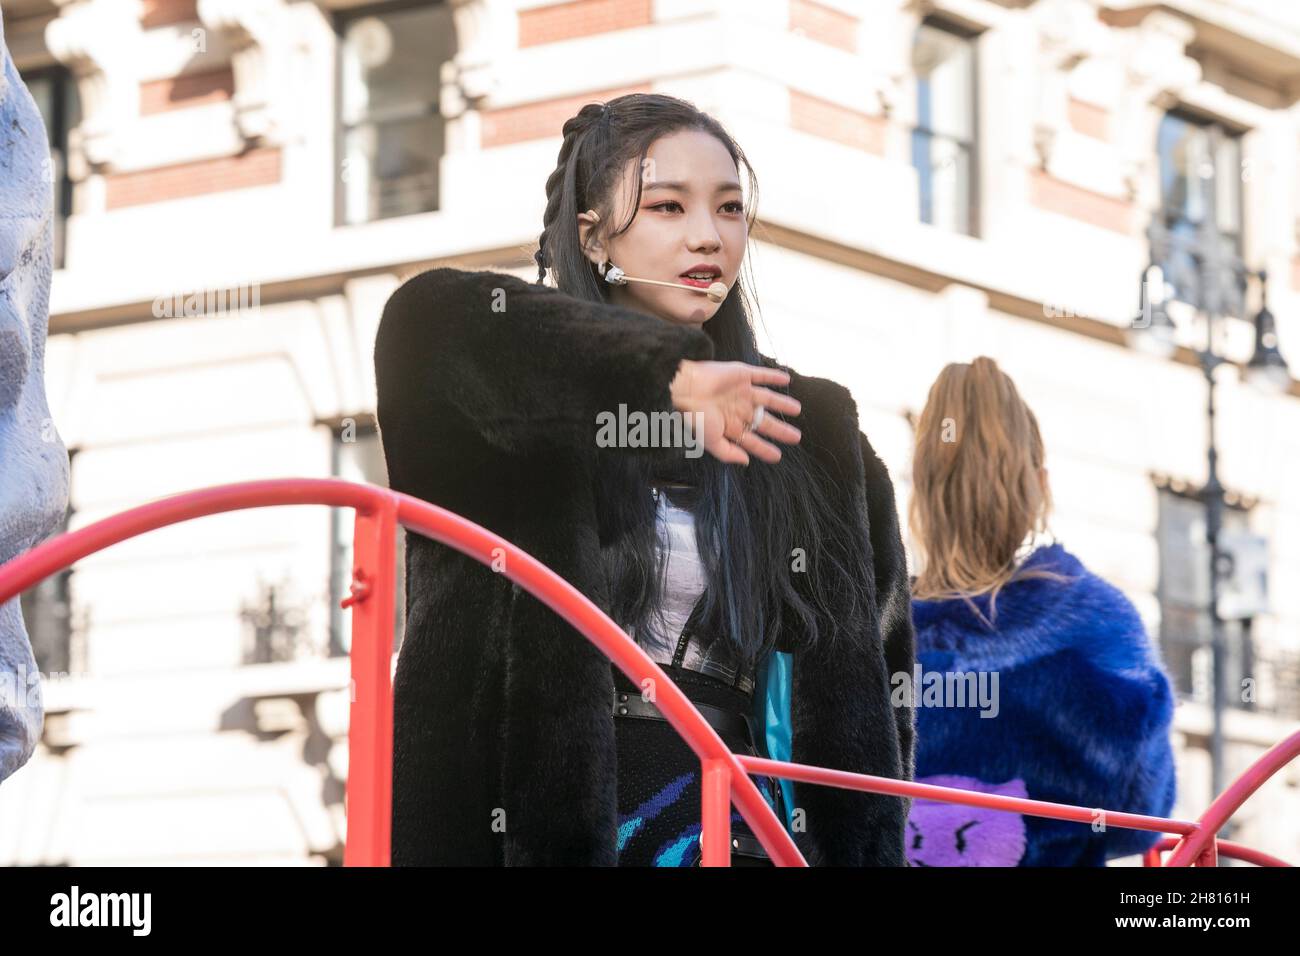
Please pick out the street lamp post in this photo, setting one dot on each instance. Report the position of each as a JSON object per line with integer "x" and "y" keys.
{"x": 1206, "y": 272}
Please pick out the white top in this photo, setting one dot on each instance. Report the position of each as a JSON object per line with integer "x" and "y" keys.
{"x": 684, "y": 582}
{"x": 684, "y": 579}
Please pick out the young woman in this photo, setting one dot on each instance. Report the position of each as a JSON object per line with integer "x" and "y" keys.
{"x": 1069, "y": 702}
{"x": 759, "y": 563}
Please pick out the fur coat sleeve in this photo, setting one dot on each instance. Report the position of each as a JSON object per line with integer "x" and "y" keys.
{"x": 1078, "y": 710}
{"x": 553, "y": 361}
{"x": 894, "y": 595}
{"x": 841, "y": 713}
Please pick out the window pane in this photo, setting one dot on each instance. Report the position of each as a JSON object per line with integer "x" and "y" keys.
{"x": 1190, "y": 177}
{"x": 392, "y": 134}
{"x": 943, "y": 167}
{"x": 942, "y": 63}
{"x": 942, "y": 142}
{"x": 1177, "y": 148}
{"x": 1184, "y": 598}
{"x": 391, "y": 169}
{"x": 391, "y": 61}
{"x": 1228, "y": 182}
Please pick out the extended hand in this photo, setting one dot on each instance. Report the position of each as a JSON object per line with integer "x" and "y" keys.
{"x": 729, "y": 396}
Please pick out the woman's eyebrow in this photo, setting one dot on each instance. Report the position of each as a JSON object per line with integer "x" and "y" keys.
{"x": 721, "y": 187}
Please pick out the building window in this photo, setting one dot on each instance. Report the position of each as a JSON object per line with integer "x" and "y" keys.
{"x": 943, "y": 140}
{"x": 1183, "y": 592}
{"x": 1200, "y": 173}
{"x": 358, "y": 456}
{"x": 55, "y": 94}
{"x": 391, "y": 133}
{"x": 276, "y": 627}
{"x": 52, "y": 628}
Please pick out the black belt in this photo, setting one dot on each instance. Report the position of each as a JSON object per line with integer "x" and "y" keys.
{"x": 742, "y": 845}
{"x": 630, "y": 704}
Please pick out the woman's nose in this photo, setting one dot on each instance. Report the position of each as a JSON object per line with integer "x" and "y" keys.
{"x": 705, "y": 241}
{"x": 702, "y": 232}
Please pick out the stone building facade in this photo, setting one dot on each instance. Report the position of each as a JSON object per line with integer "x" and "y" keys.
{"x": 241, "y": 183}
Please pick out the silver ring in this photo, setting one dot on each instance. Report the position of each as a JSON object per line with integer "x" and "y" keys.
{"x": 758, "y": 419}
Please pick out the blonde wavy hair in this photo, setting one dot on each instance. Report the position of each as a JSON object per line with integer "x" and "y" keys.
{"x": 979, "y": 486}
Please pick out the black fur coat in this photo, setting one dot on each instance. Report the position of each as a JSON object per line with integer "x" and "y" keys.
{"x": 488, "y": 392}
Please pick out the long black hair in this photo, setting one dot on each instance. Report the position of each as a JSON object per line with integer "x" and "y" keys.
{"x": 767, "y": 536}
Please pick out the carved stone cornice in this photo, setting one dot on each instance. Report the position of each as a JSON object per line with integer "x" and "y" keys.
{"x": 474, "y": 72}
{"x": 1069, "y": 32}
{"x": 94, "y": 39}
{"x": 1157, "y": 74}
{"x": 887, "y": 45}
{"x": 259, "y": 37}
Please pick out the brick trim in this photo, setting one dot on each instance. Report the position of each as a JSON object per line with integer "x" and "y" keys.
{"x": 824, "y": 24}
{"x": 161, "y": 13}
{"x": 516, "y": 124}
{"x": 581, "y": 18}
{"x": 1055, "y": 195}
{"x": 811, "y": 114}
{"x": 185, "y": 90}
{"x": 256, "y": 167}
{"x": 1089, "y": 119}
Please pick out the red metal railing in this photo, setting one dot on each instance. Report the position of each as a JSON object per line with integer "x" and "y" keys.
{"x": 725, "y": 775}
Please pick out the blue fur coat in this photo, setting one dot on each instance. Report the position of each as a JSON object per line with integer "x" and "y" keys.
{"x": 1070, "y": 704}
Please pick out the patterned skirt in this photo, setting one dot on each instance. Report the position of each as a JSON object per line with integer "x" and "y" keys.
{"x": 659, "y": 779}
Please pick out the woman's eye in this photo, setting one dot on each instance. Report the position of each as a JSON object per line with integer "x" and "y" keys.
{"x": 734, "y": 206}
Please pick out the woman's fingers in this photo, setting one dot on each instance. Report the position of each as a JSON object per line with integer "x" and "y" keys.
{"x": 748, "y": 439}
{"x": 769, "y": 401}
{"x": 775, "y": 401}
{"x": 777, "y": 430}
{"x": 726, "y": 450}
{"x": 733, "y": 454}
{"x": 739, "y": 440}
{"x": 764, "y": 451}
{"x": 767, "y": 376}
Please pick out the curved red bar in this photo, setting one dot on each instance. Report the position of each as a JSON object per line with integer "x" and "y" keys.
{"x": 370, "y": 738}
{"x": 724, "y": 774}
{"x": 970, "y": 798}
{"x": 1195, "y": 845}
{"x": 1226, "y": 848}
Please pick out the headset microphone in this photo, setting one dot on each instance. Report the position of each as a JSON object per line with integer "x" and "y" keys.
{"x": 616, "y": 276}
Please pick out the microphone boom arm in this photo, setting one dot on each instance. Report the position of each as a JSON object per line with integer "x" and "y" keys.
{"x": 616, "y": 276}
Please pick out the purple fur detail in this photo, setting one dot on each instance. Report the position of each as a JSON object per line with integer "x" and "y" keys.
{"x": 949, "y": 834}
